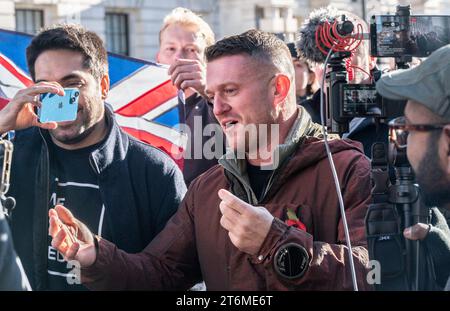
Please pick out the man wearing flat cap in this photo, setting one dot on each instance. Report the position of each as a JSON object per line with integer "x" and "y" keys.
{"x": 425, "y": 131}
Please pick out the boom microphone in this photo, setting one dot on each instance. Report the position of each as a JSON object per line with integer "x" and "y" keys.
{"x": 327, "y": 28}
{"x": 307, "y": 34}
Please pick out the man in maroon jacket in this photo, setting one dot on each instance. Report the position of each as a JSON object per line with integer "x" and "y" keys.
{"x": 267, "y": 217}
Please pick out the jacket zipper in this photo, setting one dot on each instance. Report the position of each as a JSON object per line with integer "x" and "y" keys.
{"x": 247, "y": 188}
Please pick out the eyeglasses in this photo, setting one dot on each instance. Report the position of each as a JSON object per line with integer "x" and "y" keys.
{"x": 399, "y": 130}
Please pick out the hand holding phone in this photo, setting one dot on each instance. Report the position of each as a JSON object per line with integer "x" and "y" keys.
{"x": 20, "y": 113}
{"x": 56, "y": 108}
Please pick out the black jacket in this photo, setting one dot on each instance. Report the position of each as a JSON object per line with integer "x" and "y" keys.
{"x": 312, "y": 105}
{"x": 140, "y": 186}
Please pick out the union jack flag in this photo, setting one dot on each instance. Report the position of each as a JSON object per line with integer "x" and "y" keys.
{"x": 145, "y": 101}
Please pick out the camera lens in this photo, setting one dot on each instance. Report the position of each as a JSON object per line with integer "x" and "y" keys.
{"x": 72, "y": 100}
{"x": 76, "y": 94}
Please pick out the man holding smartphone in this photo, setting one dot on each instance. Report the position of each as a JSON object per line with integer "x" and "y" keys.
{"x": 121, "y": 188}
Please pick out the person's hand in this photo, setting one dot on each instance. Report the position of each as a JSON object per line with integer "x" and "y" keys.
{"x": 247, "y": 225}
{"x": 189, "y": 73}
{"x": 19, "y": 112}
{"x": 71, "y": 237}
{"x": 417, "y": 232}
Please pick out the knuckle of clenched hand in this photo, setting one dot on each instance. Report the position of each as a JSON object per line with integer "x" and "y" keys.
{"x": 236, "y": 241}
{"x": 186, "y": 84}
{"x": 223, "y": 222}
{"x": 245, "y": 225}
{"x": 240, "y": 232}
{"x": 241, "y": 244}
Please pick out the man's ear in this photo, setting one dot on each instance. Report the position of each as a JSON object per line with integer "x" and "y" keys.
{"x": 446, "y": 145}
{"x": 282, "y": 86}
{"x": 157, "y": 57}
{"x": 104, "y": 86}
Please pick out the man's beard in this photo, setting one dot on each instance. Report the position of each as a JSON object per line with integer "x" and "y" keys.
{"x": 431, "y": 177}
{"x": 75, "y": 139}
{"x": 82, "y": 128}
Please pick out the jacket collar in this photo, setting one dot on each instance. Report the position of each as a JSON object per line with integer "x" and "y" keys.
{"x": 114, "y": 148}
{"x": 303, "y": 127}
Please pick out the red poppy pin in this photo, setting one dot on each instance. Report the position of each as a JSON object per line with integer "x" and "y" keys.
{"x": 294, "y": 221}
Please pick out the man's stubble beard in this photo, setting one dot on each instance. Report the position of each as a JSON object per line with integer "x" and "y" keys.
{"x": 431, "y": 177}
{"x": 87, "y": 126}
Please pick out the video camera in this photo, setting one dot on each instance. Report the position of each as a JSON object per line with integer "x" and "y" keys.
{"x": 401, "y": 36}
{"x": 396, "y": 201}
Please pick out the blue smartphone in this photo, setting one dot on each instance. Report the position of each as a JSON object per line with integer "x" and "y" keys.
{"x": 59, "y": 108}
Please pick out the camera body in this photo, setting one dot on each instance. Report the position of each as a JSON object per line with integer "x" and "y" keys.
{"x": 347, "y": 101}
{"x": 362, "y": 100}
{"x": 59, "y": 108}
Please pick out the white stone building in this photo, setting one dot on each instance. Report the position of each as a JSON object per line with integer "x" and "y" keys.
{"x": 131, "y": 26}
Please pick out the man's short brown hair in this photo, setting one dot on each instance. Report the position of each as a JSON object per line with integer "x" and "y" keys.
{"x": 74, "y": 38}
{"x": 264, "y": 46}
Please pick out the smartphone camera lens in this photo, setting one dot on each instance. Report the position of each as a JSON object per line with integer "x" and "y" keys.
{"x": 76, "y": 94}
{"x": 72, "y": 100}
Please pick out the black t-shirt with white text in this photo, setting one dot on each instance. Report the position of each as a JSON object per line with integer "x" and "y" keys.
{"x": 73, "y": 184}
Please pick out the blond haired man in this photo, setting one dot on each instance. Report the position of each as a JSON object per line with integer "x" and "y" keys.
{"x": 183, "y": 38}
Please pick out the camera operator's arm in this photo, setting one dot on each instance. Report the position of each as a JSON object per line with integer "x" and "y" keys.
{"x": 437, "y": 239}
{"x": 12, "y": 275}
{"x": 19, "y": 112}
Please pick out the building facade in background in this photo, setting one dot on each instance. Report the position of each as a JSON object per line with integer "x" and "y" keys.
{"x": 130, "y": 27}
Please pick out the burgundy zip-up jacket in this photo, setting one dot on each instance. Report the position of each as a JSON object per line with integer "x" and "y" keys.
{"x": 193, "y": 246}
